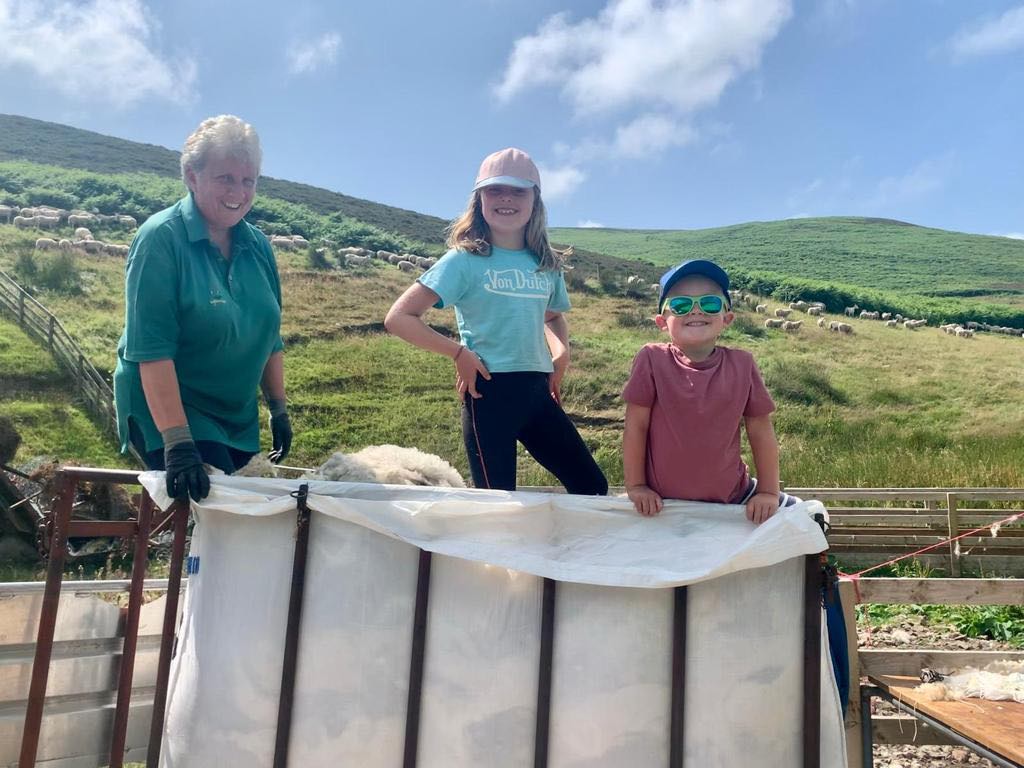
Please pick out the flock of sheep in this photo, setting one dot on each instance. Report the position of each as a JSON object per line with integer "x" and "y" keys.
{"x": 891, "y": 319}
{"x": 355, "y": 256}
{"x": 48, "y": 217}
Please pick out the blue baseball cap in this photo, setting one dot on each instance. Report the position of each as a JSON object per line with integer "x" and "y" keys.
{"x": 701, "y": 267}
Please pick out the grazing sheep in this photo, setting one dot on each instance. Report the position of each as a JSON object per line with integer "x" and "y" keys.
{"x": 773, "y": 322}
{"x": 24, "y": 222}
{"x": 633, "y": 280}
{"x": 761, "y": 309}
{"x": 65, "y": 245}
{"x": 816, "y": 311}
{"x": 8, "y": 213}
{"x": 352, "y": 260}
{"x": 800, "y": 305}
{"x": 386, "y": 256}
{"x": 299, "y": 241}
{"x": 845, "y": 328}
{"x": 868, "y": 315}
{"x": 91, "y": 246}
{"x": 283, "y": 242}
{"x": 83, "y": 233}
{"x": 389, "y": 464}
{"x": 81, "y": 219}
{"x": 354, "y": 250}
{"x": 891, "y": 323}
{"x": 655, "y": 288}
{"x": 780, "y": 312}
{"x": 127, "y": 221}
{"x": 46, "y": 244}
{"x": 792, "y": 325}
{"x": 406, "y": 266}
{"x": 821, "y": 322}
{"x": 887, "y": 316}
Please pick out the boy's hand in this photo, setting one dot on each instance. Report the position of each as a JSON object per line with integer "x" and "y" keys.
{"x": 647, "y": 502}
{"x": 761, "y": 506}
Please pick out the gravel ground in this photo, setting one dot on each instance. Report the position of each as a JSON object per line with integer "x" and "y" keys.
{"x": 915, "y": 633}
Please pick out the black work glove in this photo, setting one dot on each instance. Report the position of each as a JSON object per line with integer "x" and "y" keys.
{"x": 280, "y": 431}
{"x": 185, "y": 473}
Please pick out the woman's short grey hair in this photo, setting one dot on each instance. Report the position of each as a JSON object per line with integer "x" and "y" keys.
{"x": 225, "y": 135}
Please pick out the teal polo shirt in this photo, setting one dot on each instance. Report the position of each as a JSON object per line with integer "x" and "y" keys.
{"x": 219, "y": 320}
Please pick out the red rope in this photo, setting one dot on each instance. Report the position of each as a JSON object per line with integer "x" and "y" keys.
{"x": 856, "y": 576}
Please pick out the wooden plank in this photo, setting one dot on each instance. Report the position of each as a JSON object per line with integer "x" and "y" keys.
{"x": 1009, "y": 536}
{"x": 72, "y": 676}
{"x": 1003, "y": 565}
{"x": 942, "y": 591}
{"x": 895, "y": 548}
{"x": 868, "y": 542}
{"x": 77, "y": 588}
{"x": 995, "y": 725}
{"x": 954, "y": 532}
{"x": 879, "y": 517}
{"x": 903, "y": 729}
{"x": 908, "y": 663}
{"x": 854, "y": 750}
{"x": 71, "y": 734}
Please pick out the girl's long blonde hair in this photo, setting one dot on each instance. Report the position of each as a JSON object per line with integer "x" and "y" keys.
{"x": 470, "y": 232}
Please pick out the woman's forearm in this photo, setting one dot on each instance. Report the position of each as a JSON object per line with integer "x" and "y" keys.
{"x": 160, "y": 386}
{"x": 272, "y": 382}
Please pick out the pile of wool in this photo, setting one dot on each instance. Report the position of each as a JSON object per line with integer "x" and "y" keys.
{"x": 389, "y": 464}
{"x": 998, "y": 681}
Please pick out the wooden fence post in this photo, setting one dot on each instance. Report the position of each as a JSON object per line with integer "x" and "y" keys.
{"x": 954, "y": 531}
{"x": 854, "y": 747}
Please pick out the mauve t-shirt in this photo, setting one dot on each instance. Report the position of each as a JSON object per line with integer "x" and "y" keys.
{"x": 693, "y": 444}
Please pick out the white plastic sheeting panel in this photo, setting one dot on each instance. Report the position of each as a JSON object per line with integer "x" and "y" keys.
{"x": 613, "y": 642}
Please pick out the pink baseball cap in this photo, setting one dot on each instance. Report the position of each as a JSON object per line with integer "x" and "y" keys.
{"x": 511, "y": 167}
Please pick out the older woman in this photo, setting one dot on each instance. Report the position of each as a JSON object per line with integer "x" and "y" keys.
{"x": 202, "y": 321}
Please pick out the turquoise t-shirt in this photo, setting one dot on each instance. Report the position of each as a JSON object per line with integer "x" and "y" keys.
{"x": 219, "y": 320}
{"x": 500, "y": 301}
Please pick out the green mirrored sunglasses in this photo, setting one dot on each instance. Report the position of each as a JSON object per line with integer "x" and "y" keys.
{"x": 709, "y": 304}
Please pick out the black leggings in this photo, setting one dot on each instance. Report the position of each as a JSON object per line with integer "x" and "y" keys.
{"x": 225, "y": 458}
{"x": 518, "y": 406}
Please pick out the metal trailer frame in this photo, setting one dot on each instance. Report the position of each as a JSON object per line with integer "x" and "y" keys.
{"x": 63, "y": 526}
{"x": 867, "y": 735}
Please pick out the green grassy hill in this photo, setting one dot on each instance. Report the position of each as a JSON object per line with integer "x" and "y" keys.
{"x": 878, "y": 263}
{"x": 39, "y": 142}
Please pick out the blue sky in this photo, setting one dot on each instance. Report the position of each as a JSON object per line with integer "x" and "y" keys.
{"x": 642, "y": 113}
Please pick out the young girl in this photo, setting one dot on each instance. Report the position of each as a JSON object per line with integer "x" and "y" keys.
{"x": 505, "y": 282}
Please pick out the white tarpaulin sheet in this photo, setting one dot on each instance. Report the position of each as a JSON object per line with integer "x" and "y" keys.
{"x": 612, "y": 649}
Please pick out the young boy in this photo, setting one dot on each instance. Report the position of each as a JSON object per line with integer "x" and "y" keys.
{"x": 685, "y": 401}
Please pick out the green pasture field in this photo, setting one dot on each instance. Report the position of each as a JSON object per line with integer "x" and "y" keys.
{"x": 885, "y": 407}
{"x": 872, "y": 253}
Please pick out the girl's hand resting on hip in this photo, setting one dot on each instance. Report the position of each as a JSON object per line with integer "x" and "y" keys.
{"x": 467, "y": 366}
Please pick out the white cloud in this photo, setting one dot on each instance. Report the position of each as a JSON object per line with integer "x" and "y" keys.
{"x": 927, "y": 177}
{"x": 1013, "y": 235}
{"x": 590, "y": 224}
{"x": 992, "y": 36}
{"x": 101, "y": 52}
{"x": 561, "y": 181}
{"x": 649, "y": 135}
{"x": 679, "y": 54}
{"x": 309, "y": 56}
